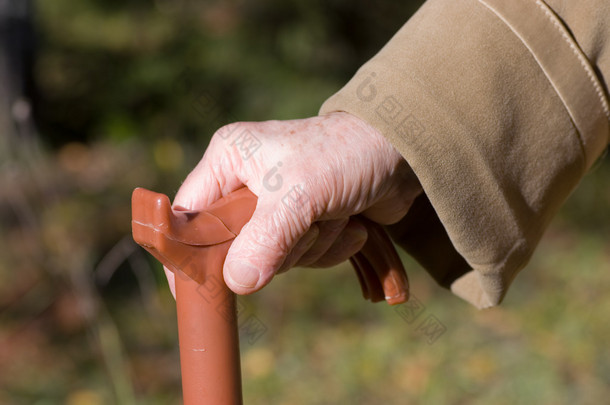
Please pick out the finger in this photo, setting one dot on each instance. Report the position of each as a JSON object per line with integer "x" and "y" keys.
{"x": 211, "y": 179}
{"x": 171, "y": 280}
{"x": 217, "y": 174}
{"x": 387, "y": 213}
{"x": 303, "y": 245}
{"x": 329, "y": 231}
{"x": 264, "y": 243}
{"x": 206, "y": 183}
{"x": 348, "y": 243}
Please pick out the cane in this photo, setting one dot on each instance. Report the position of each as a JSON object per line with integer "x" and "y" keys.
{"x": 194, "y": 245}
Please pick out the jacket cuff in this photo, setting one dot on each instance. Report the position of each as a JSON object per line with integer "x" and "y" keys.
{"x": 499, "y": 114}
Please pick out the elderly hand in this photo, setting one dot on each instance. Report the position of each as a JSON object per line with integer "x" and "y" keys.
{"x": 311, "y": 177}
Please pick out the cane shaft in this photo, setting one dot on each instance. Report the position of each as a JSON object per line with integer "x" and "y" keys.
{"x": 209, "y": 343}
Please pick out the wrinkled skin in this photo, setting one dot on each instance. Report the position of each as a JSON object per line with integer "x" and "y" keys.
{"x": 311, "y": 177}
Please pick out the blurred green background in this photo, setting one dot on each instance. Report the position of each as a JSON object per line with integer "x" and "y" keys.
{"x": 127, "y": 93}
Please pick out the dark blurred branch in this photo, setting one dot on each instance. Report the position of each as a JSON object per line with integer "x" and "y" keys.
{"x": 17, "y": 43}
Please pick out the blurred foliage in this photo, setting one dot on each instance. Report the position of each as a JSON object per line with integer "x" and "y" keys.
{"x": 117, "y": 69}
{"x": 129, "y": 94}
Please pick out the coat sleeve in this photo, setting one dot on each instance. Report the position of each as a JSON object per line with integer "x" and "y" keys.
{"x": 500, "y": 107}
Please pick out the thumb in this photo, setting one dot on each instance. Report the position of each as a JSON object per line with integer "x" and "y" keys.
{"x": 218, "y": 173}
{"x": 264, "y": 243}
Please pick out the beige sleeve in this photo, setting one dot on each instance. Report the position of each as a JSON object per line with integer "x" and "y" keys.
{"x": 500, "y": 107}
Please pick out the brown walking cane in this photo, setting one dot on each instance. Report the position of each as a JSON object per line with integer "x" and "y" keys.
{"x": 194, "y": 245}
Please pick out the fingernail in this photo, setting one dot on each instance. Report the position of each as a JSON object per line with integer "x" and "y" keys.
{"x": 361, "y": 234}
{"x": 243, "y": 274}
{"x": 355, "y": 237}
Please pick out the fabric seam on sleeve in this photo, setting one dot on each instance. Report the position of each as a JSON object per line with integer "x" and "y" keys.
{"x": 588, "y": 108}
{"x": 580, "y": 55}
